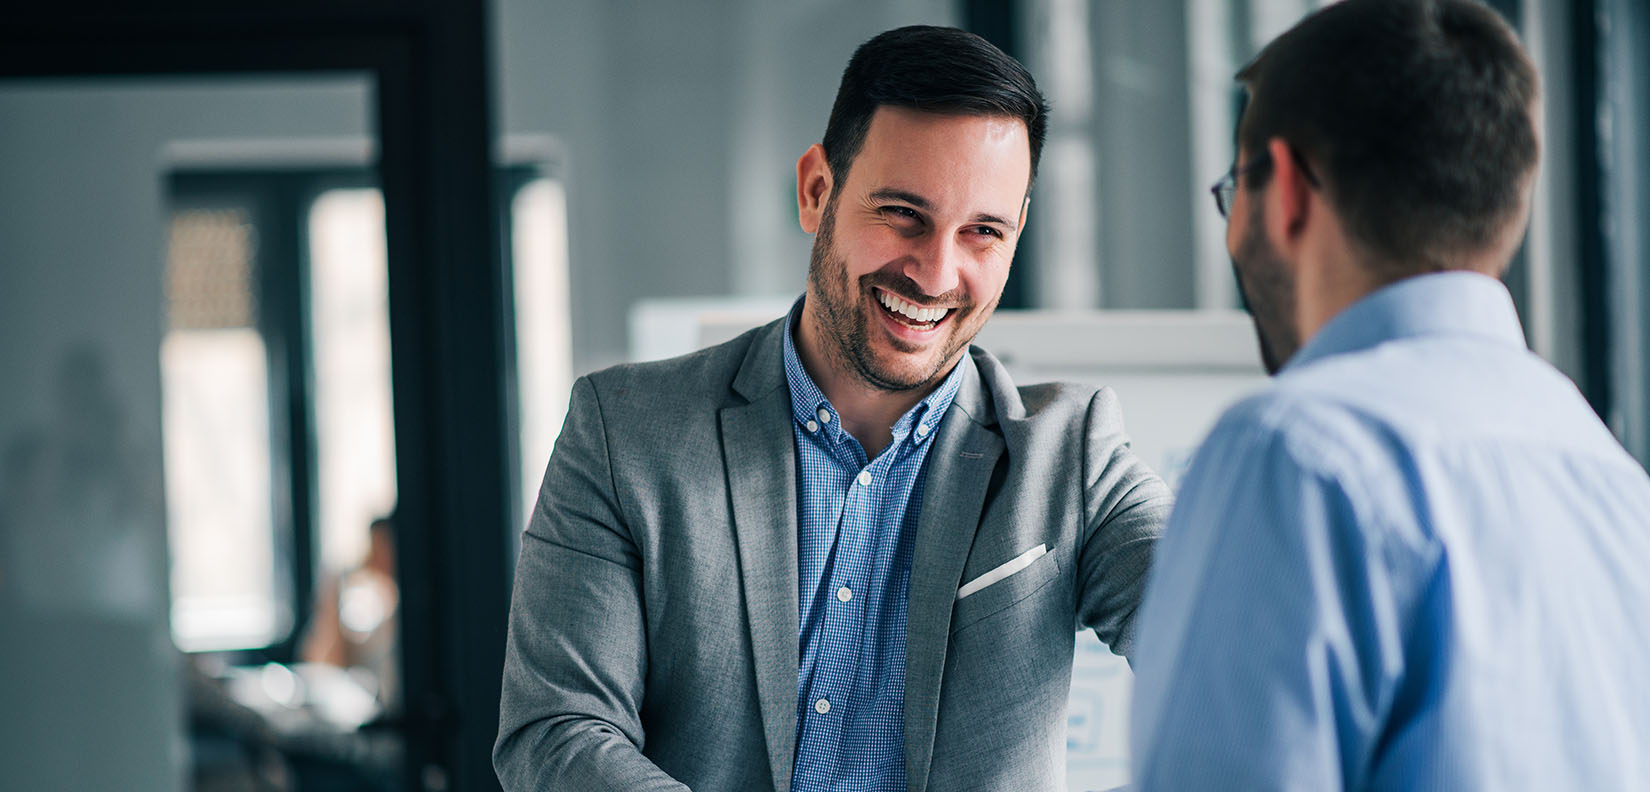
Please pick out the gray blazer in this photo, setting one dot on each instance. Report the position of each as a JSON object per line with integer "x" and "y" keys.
{"x": 654, "y": 631}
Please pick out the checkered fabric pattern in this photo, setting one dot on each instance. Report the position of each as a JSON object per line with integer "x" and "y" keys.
{"x": 857, "y": 526}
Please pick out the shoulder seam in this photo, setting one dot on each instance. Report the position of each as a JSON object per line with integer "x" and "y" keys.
{"x": 607, "y": 456}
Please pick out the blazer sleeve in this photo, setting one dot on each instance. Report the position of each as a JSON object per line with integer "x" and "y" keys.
{"x": 576, "y": 658}
{"x": 1127, "y": 505}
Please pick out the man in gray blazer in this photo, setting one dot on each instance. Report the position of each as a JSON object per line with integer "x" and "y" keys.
{"x": 842, "y": 551}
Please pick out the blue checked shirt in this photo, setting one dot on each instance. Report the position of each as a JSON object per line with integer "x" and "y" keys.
{"x": 856, "y": 527}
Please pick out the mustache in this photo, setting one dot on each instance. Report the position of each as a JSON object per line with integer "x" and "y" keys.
{"x": 906, "y": 289}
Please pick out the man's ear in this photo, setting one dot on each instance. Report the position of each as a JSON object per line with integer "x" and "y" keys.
{"x": 1025, "y": 208}
{"x": 1291, "y": 199}
{"x": 813, "y": 187}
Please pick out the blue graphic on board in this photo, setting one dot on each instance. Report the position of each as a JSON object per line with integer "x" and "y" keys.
{"x": 1097, "y": 717}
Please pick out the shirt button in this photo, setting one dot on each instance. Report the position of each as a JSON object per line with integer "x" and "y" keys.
{"x": 824, "y": 415}
{"x": 865, "y": 478}
{"x": 822, "y": 706}
{"x": 844, "y": 594}
{"x": 922, "y": 430}
{"x": 813, "y": 426}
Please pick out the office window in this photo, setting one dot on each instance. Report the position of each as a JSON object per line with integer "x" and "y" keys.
{"x": 1145, "y": 109}
{"x": 216, "y": 434}
{"x": 350, "y": 332}
{"x": 278, "y": 408}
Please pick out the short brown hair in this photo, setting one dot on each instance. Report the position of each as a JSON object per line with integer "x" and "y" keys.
{"x": 1417, "y": 115}
{"x": 932, "y": 69}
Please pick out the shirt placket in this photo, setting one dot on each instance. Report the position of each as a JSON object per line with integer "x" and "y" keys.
{"x": 833, "y": 703}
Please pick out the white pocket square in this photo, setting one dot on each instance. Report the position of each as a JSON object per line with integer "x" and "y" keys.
{"x": 1019, "y": 562}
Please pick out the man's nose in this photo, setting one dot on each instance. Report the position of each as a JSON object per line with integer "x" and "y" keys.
{"x": 934, "y": 266}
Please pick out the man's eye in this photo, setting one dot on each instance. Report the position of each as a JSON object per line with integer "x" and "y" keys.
{"x": 988, "y": 231}
{"x": 901, "y": 212}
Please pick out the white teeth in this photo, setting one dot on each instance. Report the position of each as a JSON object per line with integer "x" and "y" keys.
{"x": 912, "y": 312}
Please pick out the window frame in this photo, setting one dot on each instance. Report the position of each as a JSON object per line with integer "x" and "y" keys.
{"x": 279, "y": 201}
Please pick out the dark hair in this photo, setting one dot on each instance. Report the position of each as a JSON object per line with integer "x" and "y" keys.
{"x": 936, "y": 70}
{"x": 1417, "y": 116}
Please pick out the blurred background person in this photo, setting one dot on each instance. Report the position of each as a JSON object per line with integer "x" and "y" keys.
{"x": 354, "y": 625}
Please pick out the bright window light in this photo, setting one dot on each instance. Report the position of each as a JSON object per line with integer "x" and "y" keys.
{"x": 215, "y": 430}
{"x": 543, "y": 338}
{"x": 350, "y": 332}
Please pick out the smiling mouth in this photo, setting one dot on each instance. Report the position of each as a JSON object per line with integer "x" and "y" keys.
{"x": 913, "y": 316}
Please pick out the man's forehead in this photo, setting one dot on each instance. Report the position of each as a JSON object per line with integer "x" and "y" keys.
{"x": 929, "y": 159}
{"x": 1004, "y": 125}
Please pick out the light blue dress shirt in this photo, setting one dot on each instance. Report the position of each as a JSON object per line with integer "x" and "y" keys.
{"x": 1418, "y": 561}
{"x": 856, "y": 529}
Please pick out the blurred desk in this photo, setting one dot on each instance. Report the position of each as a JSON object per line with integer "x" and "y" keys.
{"x": 324, "y": 721}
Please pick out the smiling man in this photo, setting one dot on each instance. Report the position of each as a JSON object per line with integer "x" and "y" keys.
{"x": 842, "y": 551}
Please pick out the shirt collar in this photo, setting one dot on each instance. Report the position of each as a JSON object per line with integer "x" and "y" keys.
{"x": 814, "y": 412}
{"x": 1436, "y": 304}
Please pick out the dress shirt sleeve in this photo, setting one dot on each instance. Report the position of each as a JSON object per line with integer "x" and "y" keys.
{"x": 1271, "y": 635}
{"x": 576, "y": 658}
{"x": 1128, "y": 505}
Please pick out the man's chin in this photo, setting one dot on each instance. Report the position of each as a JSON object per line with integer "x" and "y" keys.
{"x": 903, "y": 371}
{"x": 895, "y": 364}
{"x": 896, "y": 375}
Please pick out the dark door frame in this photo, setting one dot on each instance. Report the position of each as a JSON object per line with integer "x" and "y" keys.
{"x": 428, "y": 62}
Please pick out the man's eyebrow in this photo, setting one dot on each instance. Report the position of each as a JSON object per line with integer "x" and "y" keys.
{"x": 890, "y": 194}
{"x": 994, "y": 220}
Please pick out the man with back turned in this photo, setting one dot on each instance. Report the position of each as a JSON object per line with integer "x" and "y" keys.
{"x": 1417, "y": 561}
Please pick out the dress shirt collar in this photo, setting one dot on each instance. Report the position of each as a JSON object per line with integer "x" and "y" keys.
{"x": 1444, "y": 303}
{"x": 814, "y": 413}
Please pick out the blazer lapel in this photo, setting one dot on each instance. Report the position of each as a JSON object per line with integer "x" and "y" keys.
{"x": 965, "y": 452}
{"x": 759, "y": 455}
